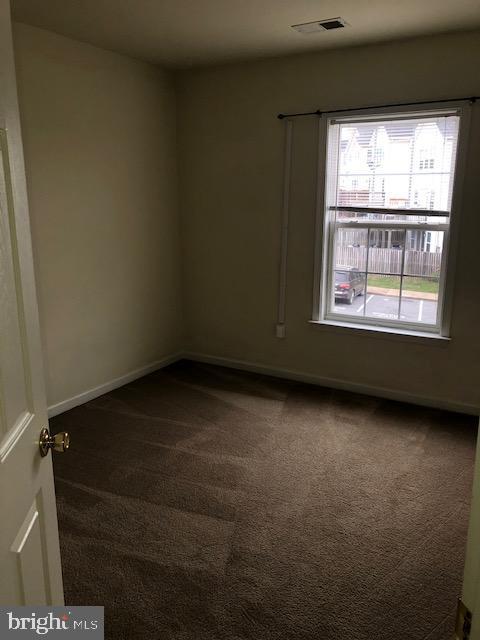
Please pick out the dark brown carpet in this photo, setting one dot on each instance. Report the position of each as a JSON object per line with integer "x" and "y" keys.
{"x": 201, "y": 503}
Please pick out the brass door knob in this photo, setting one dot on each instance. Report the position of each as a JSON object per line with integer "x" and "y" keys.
{"x": 59, "y": 442}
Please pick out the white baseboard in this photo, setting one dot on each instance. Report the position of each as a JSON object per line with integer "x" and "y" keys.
{"x": 277, "y": 372}
{"x": 334, "y": 383}
{"x": 81, "y": 398}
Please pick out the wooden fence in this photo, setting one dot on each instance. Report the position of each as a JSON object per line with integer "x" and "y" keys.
{"x": 417, "y": 263}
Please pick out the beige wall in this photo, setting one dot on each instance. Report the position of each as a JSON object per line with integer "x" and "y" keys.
{"x": 230, "y": 150}
{"x": 99, "y": 137}
{"x": 100, "y": 148}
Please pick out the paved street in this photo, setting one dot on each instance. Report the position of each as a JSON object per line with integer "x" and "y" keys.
{"x": 382, "y": 306}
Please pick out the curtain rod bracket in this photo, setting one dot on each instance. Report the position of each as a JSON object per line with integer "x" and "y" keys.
{"x": 281, "y": 116}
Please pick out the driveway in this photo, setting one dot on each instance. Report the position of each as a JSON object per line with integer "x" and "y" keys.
{"x": 386, "y": 307}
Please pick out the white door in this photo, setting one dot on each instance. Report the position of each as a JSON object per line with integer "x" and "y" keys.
{"x": 471, "y": 580}
{"x": 30, "y": 570}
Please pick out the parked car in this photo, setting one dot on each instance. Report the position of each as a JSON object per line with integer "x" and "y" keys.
{"x": 349, "y": 283}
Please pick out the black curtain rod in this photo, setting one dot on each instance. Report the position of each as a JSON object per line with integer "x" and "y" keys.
{"x": 281, "y": 116}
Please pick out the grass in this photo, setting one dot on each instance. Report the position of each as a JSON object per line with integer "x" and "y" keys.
{"x": 425, "y": 285}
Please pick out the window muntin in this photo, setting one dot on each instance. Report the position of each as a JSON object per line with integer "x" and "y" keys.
{"x": 389, "y": 191}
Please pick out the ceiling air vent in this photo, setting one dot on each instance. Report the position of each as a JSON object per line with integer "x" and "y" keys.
{"x": 319, "y": 25}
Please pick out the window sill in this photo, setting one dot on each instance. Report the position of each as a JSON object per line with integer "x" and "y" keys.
{"x": 381, "y": 332}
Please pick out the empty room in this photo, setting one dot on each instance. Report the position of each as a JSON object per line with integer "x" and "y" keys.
{"x": 239, "y": 346}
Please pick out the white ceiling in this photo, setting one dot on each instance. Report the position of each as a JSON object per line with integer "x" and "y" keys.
{"x": 184, "y": 33}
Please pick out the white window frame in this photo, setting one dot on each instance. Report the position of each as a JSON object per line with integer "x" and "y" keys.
{"x": 324, "y": 239}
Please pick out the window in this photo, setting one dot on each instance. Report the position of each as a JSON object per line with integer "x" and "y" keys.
{"x": 427, "y": 164}
{"x": 428, "y": 240}
{"x": 386, "y": 223}
{"x": 375, "y": 156}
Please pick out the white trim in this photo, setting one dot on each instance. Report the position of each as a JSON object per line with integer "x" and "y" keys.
{"x": 391, "y": 224}
{"x": 449, "y": 257}
{"x": 321, "y": 290}
{"x": 318, "y": 236}
{"x": 418, "y": 110}
{"x": 387, "y": 324}
{"x": 268, "y": 370}
{"x": 90, "y": 394}
{"x": 384, "y": 210}
{"x": 381, "y": 331}
{"x": 334, "y": 383}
